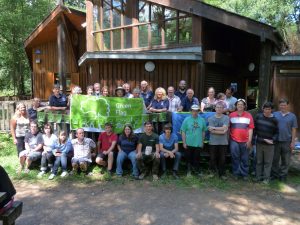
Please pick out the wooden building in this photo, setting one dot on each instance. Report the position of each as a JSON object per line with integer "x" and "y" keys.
{"x": 163, "y": 42}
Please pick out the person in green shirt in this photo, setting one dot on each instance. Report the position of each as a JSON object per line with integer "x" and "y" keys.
{"x": 193, "y": 132}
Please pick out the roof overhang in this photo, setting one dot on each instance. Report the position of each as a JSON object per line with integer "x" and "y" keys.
{"x": 285, "y": 58}
{"x": 189, "y": 53}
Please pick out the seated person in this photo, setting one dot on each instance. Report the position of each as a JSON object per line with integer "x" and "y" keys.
{"x": 83, "y": 148}
{"x": 106, "y": 145}
{"x": 57, "y": 101}
{"x": 168, "y": 144}
{"x": 33, "y": 147}
{"x": 127, "y": 144}
{"x": 148, "y": 152}
{"x": 47, "y": 156}
{"x": 188, "y": 101}
{"x": 60, "y": 150}
{"x": 32, "y": 112}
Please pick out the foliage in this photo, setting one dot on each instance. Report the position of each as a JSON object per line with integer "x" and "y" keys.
{"x": 282, "y": 14}
{"x": 76, "y": 3}
{"x": 18, "y": 19}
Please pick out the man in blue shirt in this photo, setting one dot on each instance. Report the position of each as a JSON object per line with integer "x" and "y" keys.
{"x": 181, "y": 92}
{"x": 57, "y": 101}
{"x": 287, "y": 126}
{"x": 146, "y": 93}
{"x": 188, "y": 101}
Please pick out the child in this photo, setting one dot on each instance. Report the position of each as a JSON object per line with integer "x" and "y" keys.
{"x": 60, "y": 149}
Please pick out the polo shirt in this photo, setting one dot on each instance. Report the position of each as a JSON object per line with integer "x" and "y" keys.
{"x": 127, "y": 145}
{"x": 285, "y": 124}
{"x": 83, "y": 150}
{"x": 174, "y": 103}
{"x": 162, "y": 104}
{"x": 180, "y": 94}
{"x": 60, "y": 101}
{"x": 239, "y": 126}
{"x": 32, "y": 114}
{"x": 187, "y": 103}
{"x": 106, "y": 141}
{"x": 147, "y": 96}
{"x": 168, "y": 144}
{"x": 193, "y": 129}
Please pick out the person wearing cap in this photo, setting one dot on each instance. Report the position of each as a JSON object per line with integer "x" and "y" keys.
{"x": 148, "y": 152}
{"x": 188, "y": 101}
{"x": 241, "y": 130}
{"x": 57, "y": 101}
{"x": 193, "y": 133}
{"x": 120, "y": 92}
{"x": 107, "y": 142}
{"x": 287, "y": 123}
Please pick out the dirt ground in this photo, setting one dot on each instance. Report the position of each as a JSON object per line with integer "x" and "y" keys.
{"x": 142, "y": 203}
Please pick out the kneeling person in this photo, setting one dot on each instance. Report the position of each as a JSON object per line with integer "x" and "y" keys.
{"x": 148, "y": 152}
{"x": 83, "y": 148}
{"x": 106, "y": 145}
{"x": 168, "y": 143}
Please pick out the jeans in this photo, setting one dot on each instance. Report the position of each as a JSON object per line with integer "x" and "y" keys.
{"x": 192, "y": 156}
{"x": 282, "y": 153}
{"x": 217, "y": 158}
{"x": 264, "y": 158}
{"x": 120, "y": 159}
{"x": 175, "y": 163}
{"x": 240, "y": 158}
{"x": 60, "y": 160}
{"x": 47, "y": 156}
{"x": 146, "y": 162}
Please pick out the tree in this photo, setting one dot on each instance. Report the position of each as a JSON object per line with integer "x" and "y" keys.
{"x": 18, "y": 19}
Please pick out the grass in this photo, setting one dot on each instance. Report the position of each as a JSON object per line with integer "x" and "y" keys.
{"x": 9, "y": 160}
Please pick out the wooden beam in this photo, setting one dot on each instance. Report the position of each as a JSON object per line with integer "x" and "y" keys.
{"x": 264, "y": 73}
{"x": 89, "y": 27}
{"x": 61, "y": 50}
{"x": 214, "y": 56}
{"x": 210, "y": 12}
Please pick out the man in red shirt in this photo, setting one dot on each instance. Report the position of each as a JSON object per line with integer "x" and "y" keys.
{"x": 241, "y": 131}
{"x": 106, "y": 145}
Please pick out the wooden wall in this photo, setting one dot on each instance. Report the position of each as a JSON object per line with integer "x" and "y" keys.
{"x": 167, "y": 73}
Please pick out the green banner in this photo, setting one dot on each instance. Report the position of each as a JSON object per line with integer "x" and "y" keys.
{"x": 91, "y": 113}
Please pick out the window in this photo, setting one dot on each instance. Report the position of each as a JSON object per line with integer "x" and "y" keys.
{"x": 128, "y": 38}
{"x": 171, "y": 31}
{"x": 185, "y": 30}
{"x": 157, "y": 13}
{"x": 143, "y": 11}
{"x": 127, "y": 12}
{"x": 106, "y": 14}
{"x": 143, "y": 36}
{"x": 117, "y": 39}
{"x": 106, "y": 40}
{"x": 155, "y": 34}
{"x": 117, "y": 12}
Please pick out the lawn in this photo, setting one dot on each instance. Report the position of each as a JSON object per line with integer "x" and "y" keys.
{"x": 9, "y": 160}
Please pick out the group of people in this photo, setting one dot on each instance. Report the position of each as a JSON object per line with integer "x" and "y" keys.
{"x": 231, "y": 127}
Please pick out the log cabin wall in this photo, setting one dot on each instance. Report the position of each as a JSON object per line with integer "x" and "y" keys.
{"x": 114, "y": 73}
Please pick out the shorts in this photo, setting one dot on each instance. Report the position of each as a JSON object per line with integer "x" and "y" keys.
{"x": 32, "y": 156}
{"x": 80, "y": 160}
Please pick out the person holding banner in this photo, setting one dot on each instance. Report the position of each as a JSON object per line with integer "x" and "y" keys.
{"x": 120, "y": 92}
{"x": 83, "y": 148}
{"x": 193, "y": 133}
{"x": 148, "y": 152}
{"x": 168, "y": 144}
{"x": 106, "y": 145}
{"x": 127, "y": 145}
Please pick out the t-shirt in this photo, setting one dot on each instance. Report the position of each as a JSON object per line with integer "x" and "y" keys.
{"x": 106, "y": 141}
{"x": 160, "y": 104}
{"x": 60, "y": 101}
{"x": 83, "y": 150}
{"x": 240, "y": 125}
{"x": 32, "y": 114}
{"x": 265, "y": 128}
{"x": 285, "y": 124}
{"x": 22, "y": 126}
{"x": 34, "y": 140}
{"x": 186, "y": 103}
{"x": 128, "y": 145}
{"x": 49, "y": 141}
{"x": 231, "y": 102}
{"x": 218, "y": 139}
{"x": 149, "y": 142}
{"x": 168, "y": 144}
{"x": 193, "y": 129}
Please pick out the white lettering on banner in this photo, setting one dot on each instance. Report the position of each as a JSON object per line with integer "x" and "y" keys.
{"x": 123, "y": 106}
{"x": 120, "y": 113}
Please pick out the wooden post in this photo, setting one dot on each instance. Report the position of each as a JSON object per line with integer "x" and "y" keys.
{"x": 61, "y": 45}
{"x": 264, "y": 73}
{"x": 89, "y": 26}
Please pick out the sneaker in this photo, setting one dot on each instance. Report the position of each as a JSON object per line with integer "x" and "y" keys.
{"x": 266, "y": 181}
{"x": 223, "y": 177}
{"x": 89, "y": 174}
{"x": 73, "y": 172}
{"x": 27, "y": 170}
{"x": 188, "y": 174}
{"x": 175, "y": 175}
{"x": 64, "y": 174}
{"x": 155, "y": 177}
{"x": 200, "y": 174}
{"x": 40, "y": 174}
{"x": 163, "y": 175}
{"x": 141, "y": 176}
{"x": 245, "y": 179}
{"x": 51, "y": 177}
{"x": 119, "y": 175}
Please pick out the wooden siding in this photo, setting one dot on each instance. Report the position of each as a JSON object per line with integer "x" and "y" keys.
{"x": 114, "y": 73}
